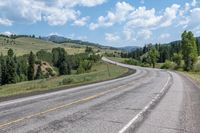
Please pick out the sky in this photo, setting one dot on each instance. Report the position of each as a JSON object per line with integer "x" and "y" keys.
{"x": 114, "y": 23}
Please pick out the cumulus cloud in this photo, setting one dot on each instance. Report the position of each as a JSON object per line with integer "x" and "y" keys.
{"x": 146, "y": 34}
{"x": 81, "y": 22}
{"x": 122, "y": 9}
{"x": 111, "y": 37}
{"x": 143, "y": 18}
{"x": 55, "y": 33}
{"x": 5, "y": 22}
{"x": 164, "y": 35}
{"x": 169, "y": 15}
{"x": 87, "y": 3}
{"x": 7, "y": 33}
{"x": 194, "y": 3}
{"x": 55, "y": 12}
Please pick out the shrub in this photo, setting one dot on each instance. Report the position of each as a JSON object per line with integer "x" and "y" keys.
{"x": 66, "y": 81}
{"x": 168, "y": 65}
{"x": 50, "y": 71}
{"x": 196, "y": 67}
{"x": 132, "y": 62}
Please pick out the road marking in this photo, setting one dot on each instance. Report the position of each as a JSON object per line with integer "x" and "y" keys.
{"x": 64, "y": 105}
{"x": 145, "y": 109}
{"x": 58, "y": 107}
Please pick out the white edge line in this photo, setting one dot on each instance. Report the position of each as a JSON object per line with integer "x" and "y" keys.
{"x": 23, "y": 99}
{"x": 125, "y": 128}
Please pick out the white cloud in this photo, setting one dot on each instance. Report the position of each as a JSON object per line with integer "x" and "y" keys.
{"x": 169, "y": 15}
{"x": 55, "y": 33}
{"x": 60, "y": 17}
{"x": 91, "y": 3}
{"x": 87, "y": 3}
{"x": 195, "y": 15}
{"x": 122, "y": 9}
{"x": 5, "y": 22}
{"x": 7, "y": 33}
{"x": 128, "y": 34}
{"x": 146, "y": 34}
{"x": 143, "y": 18}
{"x": 194, "y": 3}
{"x": 55, "y": 12}
{"x": 164, "y": 35}
{"x": 111, "y": 37}
{"x": 81, "y": 21}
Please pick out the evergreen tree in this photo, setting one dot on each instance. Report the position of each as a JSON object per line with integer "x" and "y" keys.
{"x": 11, "y": 67}
{"x": 10, "y": 53}
{"x": 11, "y": 70}
{"x": 4, "y": 72}
{"x": 64, "y": 68}
{"x": 198, "y": 47}
{"x": 31, "y": 69}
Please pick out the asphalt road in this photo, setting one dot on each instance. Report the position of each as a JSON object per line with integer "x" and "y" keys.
{"x": 149, "y": 101}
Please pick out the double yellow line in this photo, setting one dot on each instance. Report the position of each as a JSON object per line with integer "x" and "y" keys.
{"x": 56, "y": 108}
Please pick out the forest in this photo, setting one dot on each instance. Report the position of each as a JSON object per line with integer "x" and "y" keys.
{"x": 183, "y": 53}
{"x": 44, "y": 64}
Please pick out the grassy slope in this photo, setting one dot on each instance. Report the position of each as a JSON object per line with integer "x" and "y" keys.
{"x": 99, "y": 72}
{"x": 194, "y": 75}
{"x": 24, "y": 45}
{"x": 117, "y": 59}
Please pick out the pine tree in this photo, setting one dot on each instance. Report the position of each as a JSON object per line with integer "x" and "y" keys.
{"x": 198, "y": 47}
{"x": 4, "y": 72}
{"x": 11, "y": 67}
{"x": 64, "y": 68}
{"x": 31, "y": 69}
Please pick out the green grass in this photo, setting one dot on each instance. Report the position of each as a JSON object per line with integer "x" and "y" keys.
{"x": 193, "y": 75}
{"x": 25, "y": 44}
{"x": 99, "y": 72}
{"x": 117, "y": 59}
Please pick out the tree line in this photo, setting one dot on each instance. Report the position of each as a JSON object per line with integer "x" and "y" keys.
{"x": 188, "y": 49}
{"x": 15, "y": 69}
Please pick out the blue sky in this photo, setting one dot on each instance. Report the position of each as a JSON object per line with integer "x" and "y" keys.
{"x": 108, "y": 22}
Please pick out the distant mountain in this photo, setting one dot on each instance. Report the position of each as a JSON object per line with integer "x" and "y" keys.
{"x": 128, "y": 48}
{"x": 179, "y": 41}
{"x": 60, "y": 40}
{"x": 54, "y": 38}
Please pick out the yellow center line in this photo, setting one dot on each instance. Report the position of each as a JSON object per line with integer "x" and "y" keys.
{"x": 57, "y": 108}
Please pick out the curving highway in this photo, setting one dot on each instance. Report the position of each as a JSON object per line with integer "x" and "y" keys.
{"x": 149, "y": 101}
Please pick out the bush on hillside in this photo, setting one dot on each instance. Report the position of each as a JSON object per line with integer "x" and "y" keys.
{"x": 168, "y": 65}
{"x": 132, "y": 62}
{"x": 66, "y": 81}
{"x": 196, "y": 67}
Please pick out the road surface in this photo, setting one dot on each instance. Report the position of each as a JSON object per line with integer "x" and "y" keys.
{"x": 149, "y": 101}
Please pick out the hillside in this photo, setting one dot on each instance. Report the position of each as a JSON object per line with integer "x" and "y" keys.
{"x": 61, "y": 39}
{"x": 23, "y": 45}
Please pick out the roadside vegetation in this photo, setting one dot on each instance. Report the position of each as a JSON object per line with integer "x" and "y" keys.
{"x": 179, "y": 55}
{"x": 44, "y": 69}
{"x": 99, "y": 72}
